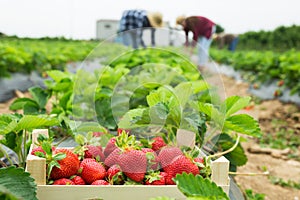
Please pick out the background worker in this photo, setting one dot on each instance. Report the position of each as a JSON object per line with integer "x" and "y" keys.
{"x": 132, "y": 23}
{"x": 202, "y": 29}
{"x": 227, "y": 39}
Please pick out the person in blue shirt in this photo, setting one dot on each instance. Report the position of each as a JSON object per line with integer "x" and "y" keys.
{"x": 132, "y": 24}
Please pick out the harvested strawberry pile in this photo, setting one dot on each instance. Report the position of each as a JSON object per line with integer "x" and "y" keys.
{"x": 124, "y": 160}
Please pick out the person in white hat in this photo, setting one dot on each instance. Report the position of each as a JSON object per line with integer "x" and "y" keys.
{"x": 132, "y": 24}
{"x": 203, "y": 29}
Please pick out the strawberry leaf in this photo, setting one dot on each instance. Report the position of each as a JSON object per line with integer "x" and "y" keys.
{"x": 16, "y": 183}
{"x": 235, "y": 103}
{"x": 244, "y": 124}
{"x": 198, "y": 187}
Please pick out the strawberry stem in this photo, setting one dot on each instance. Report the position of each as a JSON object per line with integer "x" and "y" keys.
{"x": 227, "y": 151}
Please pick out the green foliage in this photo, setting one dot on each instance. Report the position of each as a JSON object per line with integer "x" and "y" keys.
{"x": 251, "y": 196}
{"x": 14, "y": 128}
{"x": 282, "y": 38}
{"x": 26, "y": 55}
{"x": 224, "y": 116}
{"x": 237, "y": 157}
{"x": 264, "y": 66}
{"x": 284, "y": 183}
{"x": 197, "y": 187}
{"x": 16, "y": 184}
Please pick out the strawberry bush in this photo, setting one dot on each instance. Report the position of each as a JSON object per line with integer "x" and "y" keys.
{"x": 264, "y": 66}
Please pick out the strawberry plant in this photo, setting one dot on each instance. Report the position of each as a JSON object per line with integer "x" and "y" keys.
{"x": 16, "y": 128}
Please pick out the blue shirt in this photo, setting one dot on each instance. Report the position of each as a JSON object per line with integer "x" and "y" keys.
{"x": 132, "y": 19}
{"x": 136, "y": 19}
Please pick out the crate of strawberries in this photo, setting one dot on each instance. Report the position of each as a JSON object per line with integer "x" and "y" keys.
{"x": 126, "y": 168}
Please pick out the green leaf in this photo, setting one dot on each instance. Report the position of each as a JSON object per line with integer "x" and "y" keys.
{"x": 19, "y": 103}
{"x": 57, "y": 75}
{"x": 212, "y": 112}
{"x": 39, "y": 95}
{"x": 14, "y": 181}
{"x": 197, "y": 186}
{"x": 84, "y": 127}
{"x": 135, "y": 118}
{"x": 199, "y": 86}
{"x": 7, "y": 124}
{"x": 183, "y": 91}
{"x": 235, "y": 103}
{"x": 35, "y": 121}
{"x": 244, "y": 124}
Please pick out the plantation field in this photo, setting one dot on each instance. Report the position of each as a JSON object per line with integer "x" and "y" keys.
{"x": 129, "y": 84}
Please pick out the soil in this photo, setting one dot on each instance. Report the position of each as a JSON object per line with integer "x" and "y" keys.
{"x": 265, "y": 112}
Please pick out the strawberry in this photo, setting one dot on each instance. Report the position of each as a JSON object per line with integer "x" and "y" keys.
{"x": 115, "y": 175}
{"x": 179, "y": 165}
{"x": 68, "y": 165}
{"x": 91, "y": 171}
{"x": 158, "y": 143}
{"x": 110, "y": 147}
{"x": 94, "y": 152}
{"x": 167, "y": 154}
{"x": 63, "y": 181}
{"x": 39, "y": 151}
{"x": 133, "y": 163}
{"x": 153, "y": 161}
{"x": 86, "y": 160}
{"x": 280, "y": 83}
{"x": 156, "y": 179}
{"x": 113, "y": 158}
{"x": 77, "y": 180}
{"x": 100, "y": 182}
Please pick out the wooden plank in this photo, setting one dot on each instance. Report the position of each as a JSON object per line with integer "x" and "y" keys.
{"x": 220, "y": 169}
{"x": 36, "y": 166}
{"x": 116, "y": 192}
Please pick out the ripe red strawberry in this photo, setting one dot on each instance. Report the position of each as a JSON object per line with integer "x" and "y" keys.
{"x": 167, "y": 154}
{"x": 41, "y": 150}
{"x": 86, "y": 160}
{"x": 179, "y": 165}
{"x": 63, "y": 181}
{"x": 158, "y": 143}
{"x": 100, "y": 182}
{"x": 37, "y": 149}
{"x": 77, "y": 180}
{"x": 133, "y": 163}
{"x": 68, "y": 165}
{"x": 115, "y": 175}
{"x": 91, "y": 171}
{"x": 113, "y": 158}
{"x": 94, "y": 152}
{"x": 157, "y": 179}
{"x": 280, "y": 83}
{"x": 152, "y": 158}
{"x": 110, "y": 146}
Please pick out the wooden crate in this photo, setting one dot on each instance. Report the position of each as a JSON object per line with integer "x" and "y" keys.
{"x": 37, "y": 168}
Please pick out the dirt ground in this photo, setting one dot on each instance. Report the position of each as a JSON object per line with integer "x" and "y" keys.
{"x": 277, "y": 165}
